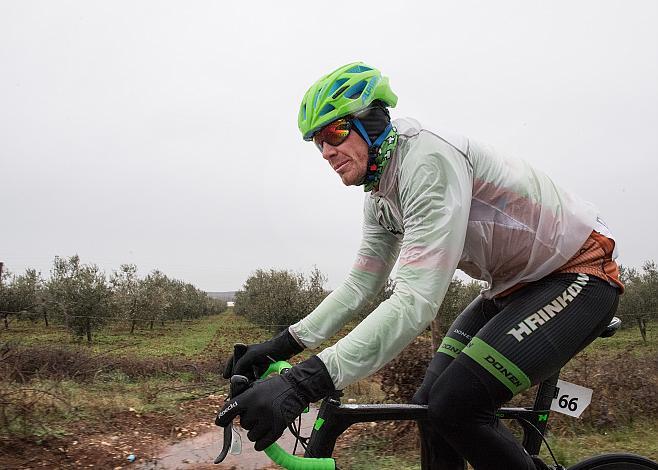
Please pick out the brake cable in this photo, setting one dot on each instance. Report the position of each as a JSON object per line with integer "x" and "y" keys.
{"x": 550, "y": 451}
{"x": 295, "y": 430}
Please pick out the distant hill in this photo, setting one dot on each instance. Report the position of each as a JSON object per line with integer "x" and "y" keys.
{"x": 229, "y": 296}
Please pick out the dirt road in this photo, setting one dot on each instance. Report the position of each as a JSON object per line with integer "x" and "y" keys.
{"x": 186, "y": 440}
{"x": 202, "y": 450}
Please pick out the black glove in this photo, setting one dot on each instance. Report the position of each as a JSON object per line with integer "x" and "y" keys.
{"x": 268, "y": 406}
{"x": 257, "y": 358}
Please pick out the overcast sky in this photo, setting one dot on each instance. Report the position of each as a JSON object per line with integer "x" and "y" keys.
{"x": 165, "y": 133}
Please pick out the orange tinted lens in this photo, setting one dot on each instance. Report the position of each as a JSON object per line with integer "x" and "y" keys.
{"x": 334, "y": 133}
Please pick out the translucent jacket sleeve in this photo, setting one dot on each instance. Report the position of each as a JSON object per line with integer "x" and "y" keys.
{"x": 435, "y": 186}
{"x": 376, "y": 256}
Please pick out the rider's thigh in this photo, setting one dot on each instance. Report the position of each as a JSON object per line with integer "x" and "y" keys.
{"x": 465, "y": 326}
{"x": 462, "y": 410}
{"x": 461, "y": 331}
{"x": 541, "y": 327}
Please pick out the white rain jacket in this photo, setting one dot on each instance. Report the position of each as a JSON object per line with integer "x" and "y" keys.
{"x": 442, "y": 204}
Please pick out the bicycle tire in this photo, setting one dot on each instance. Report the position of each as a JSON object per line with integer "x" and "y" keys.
{"x": 616, "y": 462}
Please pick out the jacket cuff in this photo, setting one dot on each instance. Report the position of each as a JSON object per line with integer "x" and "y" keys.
{"x": 294, "y": 336}
{"x": 311, "y": 379}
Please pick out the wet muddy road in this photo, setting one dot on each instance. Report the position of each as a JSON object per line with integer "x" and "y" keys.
{"x": 199, "y": 452}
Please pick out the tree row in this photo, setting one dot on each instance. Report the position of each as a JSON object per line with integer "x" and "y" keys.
{"x": 81, "y": 297}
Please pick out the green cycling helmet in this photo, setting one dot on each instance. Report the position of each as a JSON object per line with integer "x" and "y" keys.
{"x": 347, "y": 90}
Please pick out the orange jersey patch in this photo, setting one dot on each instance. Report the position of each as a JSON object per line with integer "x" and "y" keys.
{"x": 594, "y": 258}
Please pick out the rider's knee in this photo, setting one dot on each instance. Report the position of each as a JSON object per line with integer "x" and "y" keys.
{"x": 459, "y": 398}
{"x": 421, "y": 397}
{"x": 445, "y": 407}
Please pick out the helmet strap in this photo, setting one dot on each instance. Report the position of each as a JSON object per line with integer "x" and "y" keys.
{"x": 378, "y": 156}
{"x": 362, "y": 132}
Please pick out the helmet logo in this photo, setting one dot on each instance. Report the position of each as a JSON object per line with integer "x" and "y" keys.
{"x": 369, "y": 88}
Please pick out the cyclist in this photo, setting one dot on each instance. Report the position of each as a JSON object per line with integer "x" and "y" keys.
{"x": 436, "y": 203}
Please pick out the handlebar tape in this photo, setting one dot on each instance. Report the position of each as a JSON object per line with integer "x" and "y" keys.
{"x": 286, "y": 459}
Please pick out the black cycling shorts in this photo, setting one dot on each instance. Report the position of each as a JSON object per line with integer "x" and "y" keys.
{"x": 521, "y": 339}
{"x": 495, "y": 349}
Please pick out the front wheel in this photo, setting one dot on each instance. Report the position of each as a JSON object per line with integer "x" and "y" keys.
{"x": 616, "y": 462}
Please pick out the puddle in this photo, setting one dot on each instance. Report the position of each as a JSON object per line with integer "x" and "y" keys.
{"x": 202, "y": 450}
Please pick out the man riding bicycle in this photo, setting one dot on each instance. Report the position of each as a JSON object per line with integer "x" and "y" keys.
{"x": 436, "y": 203}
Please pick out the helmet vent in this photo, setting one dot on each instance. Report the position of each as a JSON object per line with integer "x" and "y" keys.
{"x": 338, "y": 93}
{"x": 359, "y": 69}
{"x": 327, "y": 108}
{"x": 355, "y": 90}
{"x": 303, "y": 109}
{"x": 317, "y": 97}
{"x": 337, "y": 84}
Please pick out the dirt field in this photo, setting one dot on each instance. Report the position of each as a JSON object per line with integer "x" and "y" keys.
{"x": 143, "y": 404}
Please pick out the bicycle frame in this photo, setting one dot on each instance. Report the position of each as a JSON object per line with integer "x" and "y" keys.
{"x": 335, "y": 418}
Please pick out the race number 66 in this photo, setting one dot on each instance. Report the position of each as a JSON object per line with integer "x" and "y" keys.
{"x": 571, "y": 399}
{"x": 571, "y": 403}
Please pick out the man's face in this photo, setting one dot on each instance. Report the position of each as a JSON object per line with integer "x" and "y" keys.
{"x": 349, "y": 159}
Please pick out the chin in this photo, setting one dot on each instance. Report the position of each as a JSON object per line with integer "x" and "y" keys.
{"x": 348, "y": 181}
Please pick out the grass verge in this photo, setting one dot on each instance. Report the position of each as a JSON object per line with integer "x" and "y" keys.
{"x": 187, "y": 339}
{"x": 638, "y": 438}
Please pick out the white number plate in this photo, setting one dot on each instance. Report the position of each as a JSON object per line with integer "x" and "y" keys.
{"x": 571, "y": 399}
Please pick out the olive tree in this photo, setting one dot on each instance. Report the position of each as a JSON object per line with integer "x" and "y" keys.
{"x": 79, "y": 295}
{"x": 277, "y": 298}
{"x": 126, "y": 292}
{"x": 639, "y": 304}
{"x": 20, "y": 294}
{"x": 154, "y": 300}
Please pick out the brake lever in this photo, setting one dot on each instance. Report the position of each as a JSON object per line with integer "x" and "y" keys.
{"x": 228, "y": 442}
{"x": 238, "y": 384}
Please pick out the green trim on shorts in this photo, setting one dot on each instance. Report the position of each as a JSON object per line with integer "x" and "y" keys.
{"x": 451, "y": 347}
{"x": 497, "y": 365}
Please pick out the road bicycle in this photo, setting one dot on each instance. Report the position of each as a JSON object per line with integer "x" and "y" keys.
{"x": 334, "y": 418}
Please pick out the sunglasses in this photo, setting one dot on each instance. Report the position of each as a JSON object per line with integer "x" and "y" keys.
{"x": 334, "y": 133}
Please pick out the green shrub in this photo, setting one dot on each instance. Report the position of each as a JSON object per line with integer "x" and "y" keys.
{"x": 640, "y": 300}
{"x": 277, "y": 298}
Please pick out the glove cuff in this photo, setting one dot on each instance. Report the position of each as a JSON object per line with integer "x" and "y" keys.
{"x": 311, "y": 379}
{"x": 287, "y": 344}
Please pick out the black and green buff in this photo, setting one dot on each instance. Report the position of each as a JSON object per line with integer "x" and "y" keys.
{"x": 377, "y": 165}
